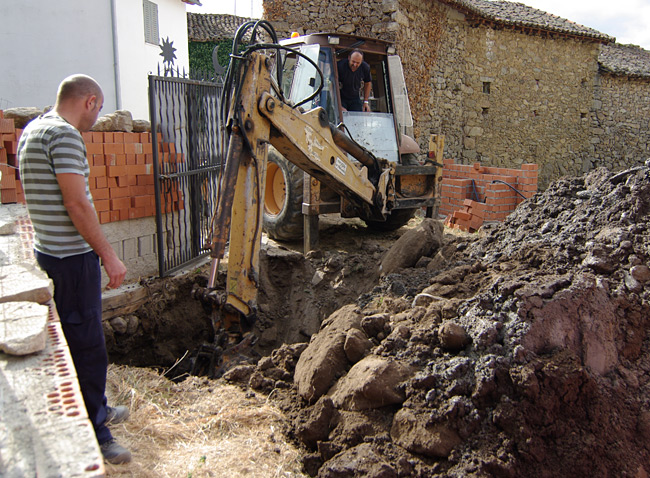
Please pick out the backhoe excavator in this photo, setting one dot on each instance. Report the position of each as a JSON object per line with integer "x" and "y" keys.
{"x": 282, "y": 104}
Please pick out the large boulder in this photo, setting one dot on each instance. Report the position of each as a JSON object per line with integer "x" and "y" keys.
{"x": 324, "y": 359}
{"x": 413, "y": 432}
{"x": 22, "y": 116}
{"x": 424, "y": 240}
{"x": 371, "y": 383}
{"x": 121, "y": 120}
{"x": 360, "y": 461}
{"x": 23, "y": 327}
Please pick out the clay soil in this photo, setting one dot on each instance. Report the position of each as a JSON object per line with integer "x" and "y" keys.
{"x": 519, "y": 351}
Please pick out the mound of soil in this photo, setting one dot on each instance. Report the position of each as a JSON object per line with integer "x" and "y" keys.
{"x": 523, "y": 352}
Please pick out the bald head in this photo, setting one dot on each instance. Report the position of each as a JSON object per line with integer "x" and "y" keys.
{"x": 79, "y": 100}
{"x": 78, "y": 87}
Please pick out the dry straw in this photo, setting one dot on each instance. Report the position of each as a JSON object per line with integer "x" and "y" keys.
{"x": 197, "y": 428}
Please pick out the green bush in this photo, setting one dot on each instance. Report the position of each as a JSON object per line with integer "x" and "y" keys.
{"x": 201, "y": 55}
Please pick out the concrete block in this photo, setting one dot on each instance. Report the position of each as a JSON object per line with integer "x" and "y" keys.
{"x": 130, "y": 249}
{"x": 145, "y": 245}
{"x": 117, "y": 247}
{"x": 22, "y": 327}
{"x": 21, "y": 282}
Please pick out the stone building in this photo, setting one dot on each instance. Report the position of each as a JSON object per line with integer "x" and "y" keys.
{"x": 621, "y": 109}
{"x": 505, "y": 83}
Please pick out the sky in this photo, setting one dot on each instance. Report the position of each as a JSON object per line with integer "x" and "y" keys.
{"x": 626, "y": 20}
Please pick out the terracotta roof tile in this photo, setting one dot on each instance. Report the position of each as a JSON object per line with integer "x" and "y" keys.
{"x": 518, "y": 14}
{"x": 203, "y": 27}
{"x": 628, "y": 60}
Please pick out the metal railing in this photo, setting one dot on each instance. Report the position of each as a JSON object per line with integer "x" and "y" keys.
{"x": 187, "y": 161}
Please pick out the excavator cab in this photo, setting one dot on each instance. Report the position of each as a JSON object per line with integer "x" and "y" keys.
{"x": 293, "y": 200}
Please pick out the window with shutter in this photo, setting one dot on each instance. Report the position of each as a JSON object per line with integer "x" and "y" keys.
{"x": 150, "y": 22}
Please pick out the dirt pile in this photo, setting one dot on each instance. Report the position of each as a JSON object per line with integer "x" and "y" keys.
{"x": 521, "y": 353}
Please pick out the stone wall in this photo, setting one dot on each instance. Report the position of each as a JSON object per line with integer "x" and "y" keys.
{"x": 620, "y": 134}
{"x": 500, "y": 96}
{"x": 342, "y": 16}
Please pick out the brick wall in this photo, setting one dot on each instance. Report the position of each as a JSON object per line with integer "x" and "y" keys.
{"x": 476, "y": 193}
{"x": 121, "y": 172}
{"x": 122, "y": 185}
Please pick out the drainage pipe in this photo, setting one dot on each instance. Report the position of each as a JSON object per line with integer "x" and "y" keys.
{"x": 116, "y": 57}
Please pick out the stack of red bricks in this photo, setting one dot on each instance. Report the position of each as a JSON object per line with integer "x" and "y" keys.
{"x": 121, "y": 172}
{"x": 470, "y": 218}
{"x": 10, "y": 189}
{"x": 472, "y": 194}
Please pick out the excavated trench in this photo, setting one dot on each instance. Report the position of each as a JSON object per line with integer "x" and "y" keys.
{"x": 296, "y": 294}
{"x": 521, "y": 351}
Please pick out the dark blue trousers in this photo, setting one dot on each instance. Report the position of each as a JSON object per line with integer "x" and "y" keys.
{"x": 78, "y": 299}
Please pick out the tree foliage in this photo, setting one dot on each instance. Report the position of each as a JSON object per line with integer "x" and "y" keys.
{"x": 201, "y": 54}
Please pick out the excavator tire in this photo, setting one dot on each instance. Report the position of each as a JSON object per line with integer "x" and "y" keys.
{"x": 283, "y": 219}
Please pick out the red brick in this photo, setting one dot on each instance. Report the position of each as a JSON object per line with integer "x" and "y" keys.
{"x": 115, "y": 216}
{"x": 100, "y": 193}
{"x": 131, "y": 137}
{"x": 138, "y": 169}
{"x": 104, "y": 217}
{"x": 141, "y": 201}
{"x": 8, "y": 177}
{"x": 11, "y": 147}
{"x": 136, "y": 212}
{"x": 120, "y": 203}
{"x": 133, "y": 148}
{"x": 108, "y": 137}
{"x": 98, "y": 136}
{"x": 123, "y": 181}
{"x": 94, "y": 148}
{"x": 102, "y": 204}
{"x": 529, "y": 167}
{"x": 7, "y": 126}
{"x": 114, "y": 148}
{"x": 97, "y": 171}
{"x": 101, "y": 182}
{"x": 118, "y": 137}
{"x": 8, "y": 196}
{"x": 462, "y": 215}
{"x": 119, "y": 193}
{"x": 115, "y": 171}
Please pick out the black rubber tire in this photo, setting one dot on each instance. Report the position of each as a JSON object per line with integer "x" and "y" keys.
{"x": 283, "y": 218}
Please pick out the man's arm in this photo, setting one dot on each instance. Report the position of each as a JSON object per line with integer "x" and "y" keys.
{"x": 366, "y": 95}
{"x": 84, "y": 218}
{"x": 367, "y": 84}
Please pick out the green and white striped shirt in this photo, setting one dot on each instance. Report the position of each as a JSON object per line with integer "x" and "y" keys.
{"x": 49, "y": 146}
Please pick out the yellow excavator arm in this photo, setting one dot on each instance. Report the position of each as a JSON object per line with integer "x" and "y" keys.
{"x": 256, "y": 119}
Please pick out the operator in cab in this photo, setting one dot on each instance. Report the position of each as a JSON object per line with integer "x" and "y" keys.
{"x": 352, "y": 71}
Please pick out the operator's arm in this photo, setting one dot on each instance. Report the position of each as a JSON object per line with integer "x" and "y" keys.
{"x": 84, "y": 218}
{"x": 366, "y": 95}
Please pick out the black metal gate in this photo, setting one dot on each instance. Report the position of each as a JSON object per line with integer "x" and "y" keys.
{"x": 187, "y": 154}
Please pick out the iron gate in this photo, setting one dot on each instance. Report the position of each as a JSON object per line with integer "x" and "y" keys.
{"x": 187, "y": 160}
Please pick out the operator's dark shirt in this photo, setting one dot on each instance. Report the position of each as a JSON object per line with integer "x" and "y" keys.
{"x": 351, "y": 80}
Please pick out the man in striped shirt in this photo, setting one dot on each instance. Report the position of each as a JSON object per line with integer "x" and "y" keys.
{"x": 69, "y": 241}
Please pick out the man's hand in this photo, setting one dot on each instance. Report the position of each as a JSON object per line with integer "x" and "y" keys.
{"x": 84, "y": 218}
{"x": 115, "y": 270}
{"x": 366, "y": 107}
